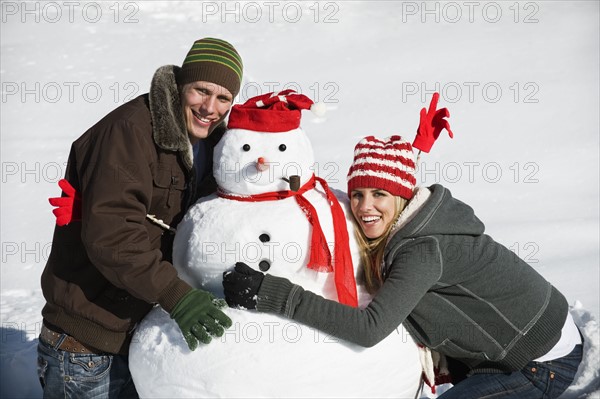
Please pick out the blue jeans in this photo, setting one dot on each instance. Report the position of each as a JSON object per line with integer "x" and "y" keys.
{"x": 537, "y": 380}
{"x": 73, "y": 375}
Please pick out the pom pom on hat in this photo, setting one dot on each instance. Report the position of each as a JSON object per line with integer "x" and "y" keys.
{"x": 319, "y": 109}
{"x": 385, "y": 164}
{"x": 271, "y": 112}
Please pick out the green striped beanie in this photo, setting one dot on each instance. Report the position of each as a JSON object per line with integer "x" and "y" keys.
{"x": 213, "y": 60}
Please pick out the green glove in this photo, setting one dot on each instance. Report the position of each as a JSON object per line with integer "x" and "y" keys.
{"x": 198, "y": 314}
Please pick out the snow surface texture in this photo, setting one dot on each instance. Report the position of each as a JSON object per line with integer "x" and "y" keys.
{"x": 525, "y": 156}
{"x": 218, "y": 232}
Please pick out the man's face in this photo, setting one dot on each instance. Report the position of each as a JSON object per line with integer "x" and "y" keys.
{"x": 205, "y": 105}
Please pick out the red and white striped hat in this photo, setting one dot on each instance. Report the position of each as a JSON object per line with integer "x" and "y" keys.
{"x": 385, "y": 164}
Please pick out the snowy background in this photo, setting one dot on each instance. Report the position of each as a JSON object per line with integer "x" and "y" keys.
{"x": 520, "y": 79}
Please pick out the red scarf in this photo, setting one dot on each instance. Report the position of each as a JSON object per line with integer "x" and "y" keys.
{"x": 320, "y": 256}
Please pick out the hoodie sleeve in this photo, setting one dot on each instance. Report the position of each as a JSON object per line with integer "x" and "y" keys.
{"x": 415, "y": 268}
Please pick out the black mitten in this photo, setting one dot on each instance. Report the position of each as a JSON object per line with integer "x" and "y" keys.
{"x": 241, "y": 286}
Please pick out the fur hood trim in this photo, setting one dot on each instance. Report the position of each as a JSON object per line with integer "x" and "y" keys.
{"x": 168, "y": 124}
{"x": 421, "y": 196}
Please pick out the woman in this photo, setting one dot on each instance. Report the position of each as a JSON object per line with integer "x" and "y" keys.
{"x": 457, "y": 291}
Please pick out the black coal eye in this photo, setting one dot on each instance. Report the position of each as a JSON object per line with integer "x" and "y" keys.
{"x": 282, "y": 147}
{"x": 246, "y": 147}
{"x": 264, "y": 237}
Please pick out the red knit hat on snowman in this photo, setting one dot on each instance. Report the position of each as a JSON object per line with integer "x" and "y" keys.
{"x": 273, "y": 112}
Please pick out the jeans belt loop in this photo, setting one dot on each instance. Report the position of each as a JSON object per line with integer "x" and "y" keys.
{"x": 59, "y": 341}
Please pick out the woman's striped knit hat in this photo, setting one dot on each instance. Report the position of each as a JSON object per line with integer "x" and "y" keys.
{"x": 213, "y": 60}
{"x": 385, "y": 164}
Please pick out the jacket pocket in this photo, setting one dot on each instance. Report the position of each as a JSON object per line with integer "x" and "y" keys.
{"x": 128, "y": 309}
{"x": 115, "y": 294}
{"x": 449, "y": 348}
{"x": 168, "y": 189}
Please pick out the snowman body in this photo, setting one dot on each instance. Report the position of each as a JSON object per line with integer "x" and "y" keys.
{"x": 269, "y": 236}
{"x": 264, "y": 355}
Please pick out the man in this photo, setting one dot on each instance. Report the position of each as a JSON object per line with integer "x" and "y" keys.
{"x": 136, "y": 171}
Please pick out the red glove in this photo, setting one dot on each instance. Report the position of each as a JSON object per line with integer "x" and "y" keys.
{"x": 431, "y": 125}
{"x": 68, "y": 208}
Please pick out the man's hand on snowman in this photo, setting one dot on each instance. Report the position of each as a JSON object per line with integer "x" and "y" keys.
{"x": 241, "y": 286}
{"x": 198, "y": 315}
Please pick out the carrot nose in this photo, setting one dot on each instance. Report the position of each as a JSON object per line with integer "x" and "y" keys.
{"x": 261, "y": 164}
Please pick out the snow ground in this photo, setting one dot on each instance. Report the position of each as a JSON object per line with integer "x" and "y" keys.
{"x": 520, "y": 79}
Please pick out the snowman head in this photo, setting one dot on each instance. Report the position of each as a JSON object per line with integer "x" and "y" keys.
{"x": 248, "y": 162}
{"x": 264, "y": 147}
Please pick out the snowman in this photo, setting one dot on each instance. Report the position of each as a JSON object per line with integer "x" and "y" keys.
{"x": 272, "y": 213}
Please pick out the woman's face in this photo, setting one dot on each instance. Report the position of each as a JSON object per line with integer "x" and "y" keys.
{"x": 374, "y": 209}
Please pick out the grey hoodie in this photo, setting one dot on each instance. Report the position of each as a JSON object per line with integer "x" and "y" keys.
{"x": 454, "y": 288}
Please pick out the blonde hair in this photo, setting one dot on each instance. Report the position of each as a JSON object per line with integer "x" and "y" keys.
{"x": 372, "y": 250}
